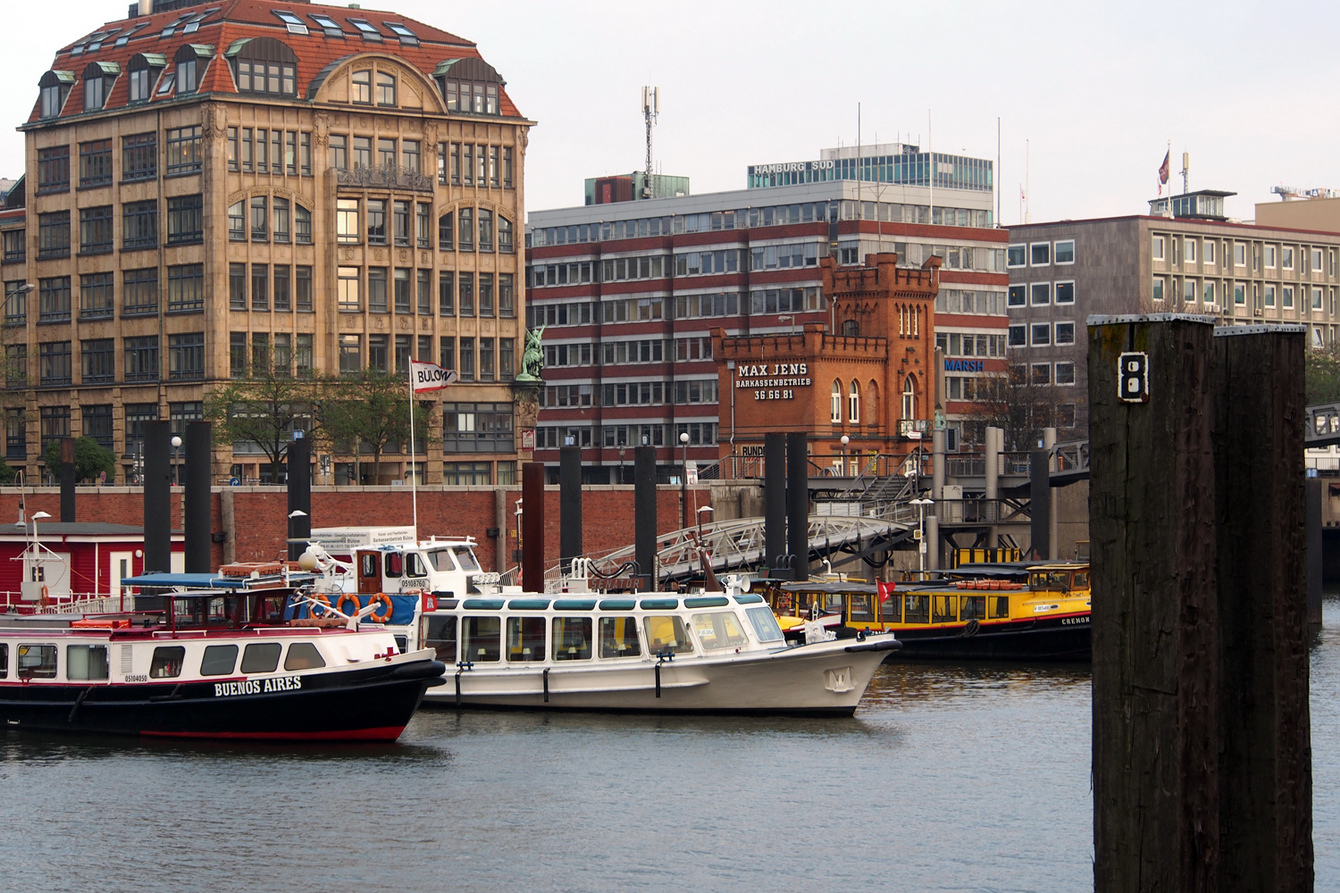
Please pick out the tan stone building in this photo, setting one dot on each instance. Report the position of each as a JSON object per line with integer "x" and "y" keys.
{"x": 214, "y": 185}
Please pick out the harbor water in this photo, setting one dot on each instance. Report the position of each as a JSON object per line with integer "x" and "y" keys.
{"x": 959, "y": 778}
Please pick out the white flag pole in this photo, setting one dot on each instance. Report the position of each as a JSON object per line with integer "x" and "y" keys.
{"x": 413, "y": 482}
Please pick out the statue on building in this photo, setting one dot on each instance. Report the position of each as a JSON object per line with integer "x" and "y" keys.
{"x": 532, "y": 359}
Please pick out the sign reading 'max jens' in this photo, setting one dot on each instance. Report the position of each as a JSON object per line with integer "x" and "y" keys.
{"x": 773, "y": 381}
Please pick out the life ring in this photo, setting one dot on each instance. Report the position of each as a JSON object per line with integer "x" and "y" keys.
{"x": 348, "y": 596}
{"x": 45, "y": 599}
{"x": 318, "y": 600}
{"x": 384, "y": 616}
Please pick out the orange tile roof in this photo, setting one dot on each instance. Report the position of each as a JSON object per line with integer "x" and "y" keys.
{"x": 232, "y": 20}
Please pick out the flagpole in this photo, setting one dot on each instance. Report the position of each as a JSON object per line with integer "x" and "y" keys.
{"x": 413, "y": 477}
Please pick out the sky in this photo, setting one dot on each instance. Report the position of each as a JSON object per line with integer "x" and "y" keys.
{"x": 1079, "y": 101}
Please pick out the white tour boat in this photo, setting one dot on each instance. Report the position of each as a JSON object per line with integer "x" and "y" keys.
{"x": 228, "y": 661}
{"x": 579, "y": 649}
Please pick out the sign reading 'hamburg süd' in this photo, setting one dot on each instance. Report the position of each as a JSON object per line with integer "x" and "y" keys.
{"x": 773, "y": 381}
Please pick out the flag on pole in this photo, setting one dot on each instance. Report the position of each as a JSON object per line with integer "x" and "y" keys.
{"x": 429, "y": 376}
{"x": 885, "y": 590}
{"x": 1163, "y": 171}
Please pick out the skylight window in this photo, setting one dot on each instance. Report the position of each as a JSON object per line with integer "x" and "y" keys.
{"x": 406, "y": 36}
{"x": 193, "y": 23}
{"x": 295, "y": 25}
{"x": 328, "y": 25}
{"x": 366, "y": 29}
{"x": 96, "y": 43}
{"x": 125, "y": 38}
{"x": 171, "y": 29}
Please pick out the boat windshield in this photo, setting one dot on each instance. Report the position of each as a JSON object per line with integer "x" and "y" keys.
{"x": 440, "y": 559}
{"x": 764, "y": 623}
{"x": 718, "y": 630}
{"x": 666, "y": 632}
{"x": 466, "y": 557}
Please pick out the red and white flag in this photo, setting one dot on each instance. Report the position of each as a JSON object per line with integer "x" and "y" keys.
{"x": 885, "y": 590}
{"x": 429, "y": 376}
{"x": 1163, "y": 171}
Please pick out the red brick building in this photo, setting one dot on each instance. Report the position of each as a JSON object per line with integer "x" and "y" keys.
{"x": 869, "y": 374}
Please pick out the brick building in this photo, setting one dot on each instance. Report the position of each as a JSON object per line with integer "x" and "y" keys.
{"x": 211, "y": 187}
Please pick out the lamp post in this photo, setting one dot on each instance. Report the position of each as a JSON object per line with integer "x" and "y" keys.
{"x": 684, "y": 484}
{"x": 517, "y": 554}
{"x": 176, "y": 445}
{"x": 921, "y": 532}
{"x": 789, "y": 318}
{"x": 39, "y": 568}
{"x": 704, "y": 509}
{"x": 845, "y": 440}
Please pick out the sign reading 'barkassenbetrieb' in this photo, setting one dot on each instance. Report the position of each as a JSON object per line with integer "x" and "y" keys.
{"x": 773, "y": 381}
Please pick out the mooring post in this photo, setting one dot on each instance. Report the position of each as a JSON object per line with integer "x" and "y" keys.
{"x": 1152, "y": 514}
{"x": 1265, "y": 772}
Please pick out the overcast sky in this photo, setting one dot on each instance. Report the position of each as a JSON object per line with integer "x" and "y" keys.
{"x": 1087, "y": 95}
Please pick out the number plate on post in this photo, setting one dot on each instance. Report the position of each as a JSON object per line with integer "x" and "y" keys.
{"x": 1133, "y": 377}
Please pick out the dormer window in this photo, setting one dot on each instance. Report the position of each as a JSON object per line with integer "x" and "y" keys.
{"x": 191, "y": 61}
{"x": 143, "y": 70}
{"x": 264, "y": 65}
{"x": 98, "y": 80}
{"x": 55, "y": 87}
{"x": 469, "y": 86}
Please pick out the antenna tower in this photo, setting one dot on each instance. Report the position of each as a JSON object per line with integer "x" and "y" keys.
{"x": 650, "y": 109}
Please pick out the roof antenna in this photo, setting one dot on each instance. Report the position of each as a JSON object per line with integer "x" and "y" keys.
{"x": 650, "y": 109}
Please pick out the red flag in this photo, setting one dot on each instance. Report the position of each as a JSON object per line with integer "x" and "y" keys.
{"x": 1163, "y": 171}
{"x": 885, "y": 590}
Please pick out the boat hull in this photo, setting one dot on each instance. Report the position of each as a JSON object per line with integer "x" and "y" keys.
{"x": 366, "y": 704}
{"x": 823, "y": 679}
{"x": 1051, "y": 639}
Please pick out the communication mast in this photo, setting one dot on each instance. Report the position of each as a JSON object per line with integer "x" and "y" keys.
{"x": 650, "y": 109}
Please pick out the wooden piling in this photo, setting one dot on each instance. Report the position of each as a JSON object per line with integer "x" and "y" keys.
{"x": 1265, "y": 774}
{"x": 1155, "y": 658}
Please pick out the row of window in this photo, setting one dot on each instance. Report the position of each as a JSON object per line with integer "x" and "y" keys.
{"x": 97, "y": 361}
{"x": 1308, "y": 260}
{"x": 265, "y": 150}
{"x": 97, "y": 295}
{"x": 1268, "y": 295}
{"x": 183, "y": 154}
{"x": 969, "y": 344}
{"x": 1042, "y": 334}
{"x": 185, "y": 225}
{"x": 1040, "y": 254}
{"x": 750, "y": 218}
{"x": 481, "y": 359}
{"x": 465, "y": 229}
{"x": 149, "y": 76}
{"x": 97, "y": 421}
{"x": 972, "y": 302}
{"x": 406, "y": 291}
{"x": 642, "y": 393}
{"x": 264, "y": 288}
{"x": 559, "y": 435}
{"x": 1040, "y": 294}
{"x": 267, "y": 218}
{"x": 89, "y": 662}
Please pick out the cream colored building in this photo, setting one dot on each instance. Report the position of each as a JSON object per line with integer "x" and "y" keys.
{"x": 209, "y": 185}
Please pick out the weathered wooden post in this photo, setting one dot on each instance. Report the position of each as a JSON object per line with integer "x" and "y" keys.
{"x": 1155, "y": 653}
{"x": 1265, "y": 772}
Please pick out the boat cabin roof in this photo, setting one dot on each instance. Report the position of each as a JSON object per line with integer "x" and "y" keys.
{"x": 199, "y": 581}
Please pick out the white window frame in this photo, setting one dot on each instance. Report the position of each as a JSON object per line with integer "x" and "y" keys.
{"x": 1156, "y": 249}
{"x": 1034, "y": 328}
{"x": 1033, "y": 290}
{"x": 1017, "y": 328}
{"x": 1056, "y": 374}
{"x": 1239, "y": 254}
{"x": 1286, "y": 257}
{"x": 835, "y": 404}
{"x": 1268, "y": 258}
{"x": 854, "y": 402}
{"x": 1058, "y": 327}
{"x": 1209, "y": 252}
{"x": 1189, "y": 249}
{"x": 1056, "y": 292}
{"x": 1158, "y": 289}
{"x": 1286, "y": 297}
{"x": 1056, "y": 253}
{"x": 1189, "y": 291}
{"x": 1022, "y": 247}
{"x": 1208, "y": 293}
{"x": 1033, "y": 246}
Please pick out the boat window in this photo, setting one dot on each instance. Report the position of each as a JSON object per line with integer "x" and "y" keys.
{"x": 303, "y": 656}
{"x": 85, "y": 662}
{"x": 572, "y": 638}
{"x": 414, "y": 565}
{"x": 525, "y": 638}
{"x": 368, "y": 563}
{"x": 860, "y": 607}
{"x": 395, "y": 564}
{"x": 440, "y": 559}
{"x": 832, "y": 603}
{"x": 618, "y": 637}
{"x": 764, "y": 623}
{"x": 1000, "y": 606}
{"x": 942, "y": 608}
{"x": 219, "y": 660}
{"x": 480, "y": 639}
{"x": 718, "y": 630}
{"x": 4, "y": 660}
{"x": 466, "y": 559}
{"x": 37, "y": 662}
{"x": 973, "y": 607}
{"x": 782, "y": 602}
{"x": 261, "y": 657}
{"x": 1081, "y": 580}
{"x": 167, "y": 662}
{"x": 890, "y": 610}
{"x": 667, "y": 633}
{"x": 916, "y": 609}
{"x": 441, "y": 638}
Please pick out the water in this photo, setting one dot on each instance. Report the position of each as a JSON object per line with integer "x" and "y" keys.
{"x": 948, "y": 778}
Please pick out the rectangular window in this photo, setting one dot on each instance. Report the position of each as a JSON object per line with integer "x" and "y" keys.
{"x": 400, "y": 218}
{"x": 423, "y": 226}
{"x": 141, "y": 362}
{"x": 55, "y": 366}
{"x": 97, "y": 296}
{"x": 506, "y": 358}
{"x": 139, "y": 157}
{"x": 16, "y": 303}
{"x": 466, "y": 293}
{"x": 506, "y": 296}
{"x": 302, "y": 288}
{"x": 466, "y": 230}
{"x": 1018, "y": 335}
{"x": 283, "y": 299}
{"x": 1065, "y": 373}
{"x": 1157, "y": 288}
{"x": 1270, "y": 295}
{"x": 1065, "y": 333}
{"x": 1040, "y": 253}
{"x": 1065, "y": 292}
{"x": 237, "y": 354}
{"x": 186, "y": 356}
{"x": 339, "y": 151}
{"x": 486, "y": 295}
{"x": 377, "y": 358}
{"x": 376, "y": 221}
{"x": 347, "y": 230}
{"x": 53, "y": 169}
{"x": 1208, "y": 294}
{"x": 260, "y": 218}
{"x": 1209, "y": 255}
{"x": 95, "y": 230}
{"x": 1156, "y": 248}
{"x": 362, "y": 154}
{"x": 1018, "y": 296}
{"x": 98, "y": 419}
{"x": 139, "y": 225}
{"x": 185, "y": 219}
{"x": 1188, "y": 290}
{"x": 1239, "y": 254}
{"x": 15, "y": 246}
{"x": 237, "y": 286}
{"x": 95, "y": 163}
{"x": 1189, "y": 249}
{"x": 423, "y": 288}
{"x": 446, "y": 293}
{"x": 260, "y": 287}
{"x": 281, "y": 220}
{"x": 53, "y": 299}
{"x": 466, "y": 362}
{"x": 1065, "y": 252}
{"x": 53, "y": 234}
{"x": 1040, "y": 293}
{"x": 347, "y": 290}
{"x": 185, "y": 153}
{"x": 186, "y": 288}
{"x": 139, "y": 292}
{"x": 377, "y": 291}
{"x": 1286, "y": 297}
{"x": 1041, "y": 333}
{"x": 404, "y": 300}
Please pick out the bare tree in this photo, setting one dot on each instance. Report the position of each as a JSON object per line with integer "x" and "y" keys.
{"x": 1017, "y": 405}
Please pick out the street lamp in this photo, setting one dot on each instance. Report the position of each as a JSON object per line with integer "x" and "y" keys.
{"x": 38, "y": 566}
{"x": 701, "y": 510}
{"x": 684, "y": 485}
{"x": 176, "y": 445}
{"x": 845, "y": 440}
{"x": 921, "y": 531}
{"x": 789, "y": 318}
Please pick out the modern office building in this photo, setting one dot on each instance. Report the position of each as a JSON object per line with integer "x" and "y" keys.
{"x": 211, "y": 187}
{"x": 1194, "y": 261}
{"x": 629, "y": 292}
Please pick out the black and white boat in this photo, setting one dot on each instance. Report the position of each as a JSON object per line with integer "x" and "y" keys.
{"x": 226, "y": 661}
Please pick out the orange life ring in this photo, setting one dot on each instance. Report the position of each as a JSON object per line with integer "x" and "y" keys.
{"x": 45, "y": 600}
{"x": 319, "y": 599}
{"x": 348, "y": 596}
{"x": 384, "y": 616}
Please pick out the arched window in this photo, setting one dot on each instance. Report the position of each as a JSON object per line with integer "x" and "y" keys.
{"x": 854, "y": 402}
{"x": 264, "y": 65}
{"x": 469, "y": 86}
{"x": 98, "y": 80}
{"x": 55, "y": 86}
{"x": 836, "y": 404}
{"x": 909, "y": 398}
{"x": 851, "y": 328}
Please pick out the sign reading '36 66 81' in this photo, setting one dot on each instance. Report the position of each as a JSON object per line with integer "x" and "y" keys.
{"x": 1133, "y": 377}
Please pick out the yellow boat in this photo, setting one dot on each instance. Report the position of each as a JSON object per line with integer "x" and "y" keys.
{"x": 993, "y": 612}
